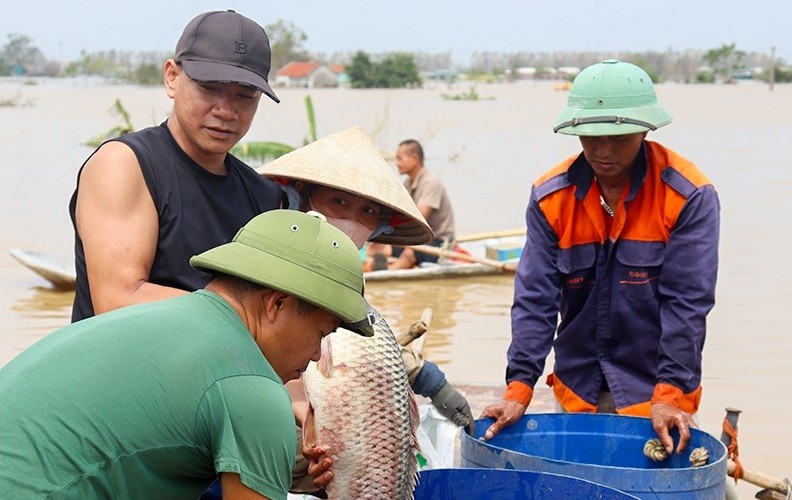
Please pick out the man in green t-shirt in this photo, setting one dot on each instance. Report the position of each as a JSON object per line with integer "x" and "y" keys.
{"x": 154, "y": 400}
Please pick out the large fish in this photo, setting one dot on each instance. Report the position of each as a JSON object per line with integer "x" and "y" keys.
{"x": 362, "y": 407}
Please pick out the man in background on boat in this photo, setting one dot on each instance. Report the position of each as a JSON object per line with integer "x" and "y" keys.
{"x": 149, "y": 200}
{"x": 344, "y": 177}
{"x": 622, "y": 241}
{"x": 429, "y": 194}
{"x": 153, "y": 400}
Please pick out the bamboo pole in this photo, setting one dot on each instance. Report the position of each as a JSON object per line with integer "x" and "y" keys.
{"x": 491, "y": 234}
{"x": 439, "y": 252}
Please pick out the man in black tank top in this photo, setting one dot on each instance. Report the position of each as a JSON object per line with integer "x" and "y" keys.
{"x": 148, "y": 201}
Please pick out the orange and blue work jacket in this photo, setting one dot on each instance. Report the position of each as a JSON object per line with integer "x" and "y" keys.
{"x": 633, "y": 292}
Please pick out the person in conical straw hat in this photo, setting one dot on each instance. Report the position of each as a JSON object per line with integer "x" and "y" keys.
{"x": 345, "y": 177}
{"x": 349, "y": 162}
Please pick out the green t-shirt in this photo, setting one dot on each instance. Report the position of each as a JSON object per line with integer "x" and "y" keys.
{"x": 149, "y": 401}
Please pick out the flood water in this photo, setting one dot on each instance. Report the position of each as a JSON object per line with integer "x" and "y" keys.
{"x": 488, "y": 153}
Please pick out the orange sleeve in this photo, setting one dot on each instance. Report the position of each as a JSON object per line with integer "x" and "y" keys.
{"x": 518, "y": 391}
{"x": 667, "y": 394}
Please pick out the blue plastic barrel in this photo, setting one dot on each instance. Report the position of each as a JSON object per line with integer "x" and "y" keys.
{"x": 501, "y": 484}
{"x": 604, "y": 449}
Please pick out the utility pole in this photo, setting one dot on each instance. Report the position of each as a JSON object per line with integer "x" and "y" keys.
{"x": 772, "y": 67}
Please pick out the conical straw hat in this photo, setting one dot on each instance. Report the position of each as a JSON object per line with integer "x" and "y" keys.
{"x": 348, "y": 160}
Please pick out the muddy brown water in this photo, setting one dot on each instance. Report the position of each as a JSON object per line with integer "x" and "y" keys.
{"x": 488, "y": 152}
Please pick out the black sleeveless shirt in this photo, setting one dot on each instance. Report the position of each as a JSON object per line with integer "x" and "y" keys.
{"x": 197, "y": 210}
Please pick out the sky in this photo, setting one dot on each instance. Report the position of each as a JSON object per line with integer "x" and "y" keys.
{"x": 61, "y": 29}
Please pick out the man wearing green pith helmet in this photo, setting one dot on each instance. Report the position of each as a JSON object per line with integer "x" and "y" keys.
{"x": 155, "y": 400}
{"x": 622, "y": 244}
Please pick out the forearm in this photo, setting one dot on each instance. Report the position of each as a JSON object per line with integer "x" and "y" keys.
{"x": 150, "y": 292}
{"x": 141, "y": 293}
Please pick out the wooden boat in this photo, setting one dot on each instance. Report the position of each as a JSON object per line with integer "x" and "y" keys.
{"x": 59, "y": 271}
{"x": 475, "y": 255}
{"x": 433, "y": 271}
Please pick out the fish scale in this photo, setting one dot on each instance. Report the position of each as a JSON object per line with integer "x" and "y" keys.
{"x": 363, "y": 409}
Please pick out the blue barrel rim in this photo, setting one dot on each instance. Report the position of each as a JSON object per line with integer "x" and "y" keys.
{"x": 674, "y": 480}
{"x": 465, "y": 435}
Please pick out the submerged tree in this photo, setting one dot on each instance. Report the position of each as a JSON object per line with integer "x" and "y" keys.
{"x": 360, "y": 71}
{"x": 396, "y": 70}
{"x": 287, "y": 43}
{"x": 782, "y": 72}
{"x": 19, "y": 54}
{"x": 724, "y": 59}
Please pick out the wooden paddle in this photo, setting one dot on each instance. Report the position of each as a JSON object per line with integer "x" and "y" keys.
{"x": 760, "y": 479}
{"x": 439, "y": 252}
{"x": 416, "y": 330}
{"x": 491, "y": 234}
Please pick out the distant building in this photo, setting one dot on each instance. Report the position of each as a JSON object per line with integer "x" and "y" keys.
{"x": 442, "y": 74}
{"x": 567, "y": 71}
{"x": 526, "y": 72}
{"x": 305, "y": 74}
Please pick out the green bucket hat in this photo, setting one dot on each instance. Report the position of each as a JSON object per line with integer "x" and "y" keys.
{"x": 299, "y": 254}
{"x": 611, "y": 98}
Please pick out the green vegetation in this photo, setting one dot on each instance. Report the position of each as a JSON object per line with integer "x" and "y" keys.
{"x": 470, "y": 95}
{"x": 15, "y": 101}
{"x": 395, "y": 71}
{"x": 265, "y": 151}
{"x": 124, "y": 127}
{"x": 705, "y": 77}
{"x": 17, "y": 54}
{"x": 287, "y": 43}
{"x": 20, "y": 57}
{"x": 723, "y": 60}
{"x": 148, "y": 74}
{"x": 782, "y": 74}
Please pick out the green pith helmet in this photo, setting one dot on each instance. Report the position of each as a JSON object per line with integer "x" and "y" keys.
{"x": 300, "y": 254}
{"x": 611, "y": 98}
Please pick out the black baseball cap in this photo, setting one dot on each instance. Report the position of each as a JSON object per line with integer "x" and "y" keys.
{"x": 223, "y": 46}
